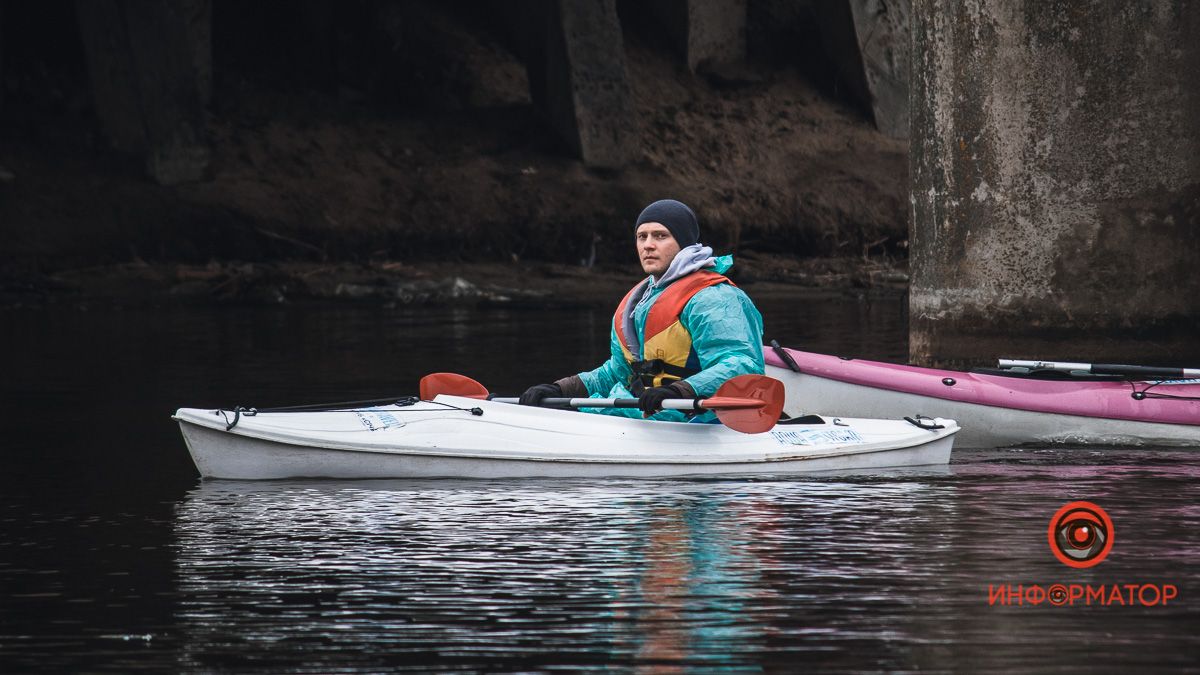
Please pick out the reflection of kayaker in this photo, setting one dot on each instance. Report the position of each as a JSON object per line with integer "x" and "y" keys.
{"x": 664, "y": 589}
{"x": 700, "y": 571}
{"x": 681, "y": 332}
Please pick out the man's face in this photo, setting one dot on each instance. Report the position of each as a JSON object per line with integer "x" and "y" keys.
{"x": 656, "y": 248}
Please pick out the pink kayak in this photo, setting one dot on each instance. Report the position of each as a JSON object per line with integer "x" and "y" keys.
{"x": 996, "y": 408}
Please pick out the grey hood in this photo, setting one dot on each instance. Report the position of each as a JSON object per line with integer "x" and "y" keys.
{"x": 688, "y": 260}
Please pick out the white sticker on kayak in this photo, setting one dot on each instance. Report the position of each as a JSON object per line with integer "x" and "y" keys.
{"x": 817, "y": 437}
{"x": 1170, "y": 382}
{"x": 375, "y": 420}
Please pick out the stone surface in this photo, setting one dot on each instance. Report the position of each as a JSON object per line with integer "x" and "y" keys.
{"x": 1055, "y": 181}
{"x": 587, "y": 97}
{"x": 150, "y": 78}
{"x": 867, "y": 43}
{"x": 706, "y": 32}
{"x": 574, "y": 56}
{"x": 882, "y": 31}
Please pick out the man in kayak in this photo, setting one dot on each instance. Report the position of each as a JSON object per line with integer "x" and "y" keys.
{"x": 680, "y": 333}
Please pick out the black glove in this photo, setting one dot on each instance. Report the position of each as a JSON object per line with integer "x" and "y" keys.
{"x": 535, "y": 394}
{"x": 651, "y": 400}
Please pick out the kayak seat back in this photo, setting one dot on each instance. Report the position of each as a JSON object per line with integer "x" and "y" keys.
{"x": 804, "y": 419}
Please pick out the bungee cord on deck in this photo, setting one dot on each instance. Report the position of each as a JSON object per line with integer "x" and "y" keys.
{"x": 340, "y": 407}
{"x": 1147, "y": 394}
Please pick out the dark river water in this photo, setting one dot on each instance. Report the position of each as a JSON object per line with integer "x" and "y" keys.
{"x": 115, "y": 557}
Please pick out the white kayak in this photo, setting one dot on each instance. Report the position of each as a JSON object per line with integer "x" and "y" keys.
{"x": 444, "y": 438}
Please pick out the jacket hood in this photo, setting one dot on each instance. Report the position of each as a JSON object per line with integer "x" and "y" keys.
{"x": 688, "y": 260}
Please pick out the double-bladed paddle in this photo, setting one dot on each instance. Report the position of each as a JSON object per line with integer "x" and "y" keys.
{"x": 747, "y": 403}
{"x": 1104, "y": 369}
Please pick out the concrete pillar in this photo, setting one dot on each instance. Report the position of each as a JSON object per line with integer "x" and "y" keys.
{"x": 150, "y": 65}
{"x": 867, "y": 43}
{"x": 881, "y": 29}
{"x": 706, "y": 32}
{"x": 574, "y": 56}
{"x": 1055, "y": 181}
{"x": 584, "y": 84}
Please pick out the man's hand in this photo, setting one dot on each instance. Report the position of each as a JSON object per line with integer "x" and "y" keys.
{"x": 652, "y": 399}
{"x": 535, "y": 394}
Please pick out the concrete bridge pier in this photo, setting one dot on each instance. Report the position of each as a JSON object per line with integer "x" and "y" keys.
{"x": 587, "y": 96}
{"x": 1055, "y": 181}
{"x": 575, "y": 58}
{"x": 881, "y": 29}
{"x": 705, "y": 32}
{"x": 150, "y": 65}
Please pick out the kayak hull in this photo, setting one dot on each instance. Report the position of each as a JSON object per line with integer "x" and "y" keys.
{"x": 221, "y": 455}
{"x": 502, "y": 444}
{"x": 1054, "y": 412}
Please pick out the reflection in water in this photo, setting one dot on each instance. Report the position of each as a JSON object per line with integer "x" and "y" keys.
{"x": 664, "y": 575}
{"x": 698, "y": 575}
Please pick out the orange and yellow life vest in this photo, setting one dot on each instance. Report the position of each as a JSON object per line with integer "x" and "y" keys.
{"x": 667, "y": 353}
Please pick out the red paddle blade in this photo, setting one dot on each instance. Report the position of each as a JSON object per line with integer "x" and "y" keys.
{"x": 452, "y": 384}
{"x": 754, "y": 420}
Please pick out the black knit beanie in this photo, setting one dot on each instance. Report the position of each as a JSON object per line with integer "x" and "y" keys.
{"x": 676, "y": 217}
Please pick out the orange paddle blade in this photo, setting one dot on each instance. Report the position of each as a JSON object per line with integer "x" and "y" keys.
{"x": 452, "y": 384}
{"x": 751, "y": 420}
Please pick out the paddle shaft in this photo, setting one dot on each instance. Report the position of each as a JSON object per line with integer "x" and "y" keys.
{"x": 1103, "y": 368}
{"x": 669, "y": 404}
{"x": 750, "y": 404}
